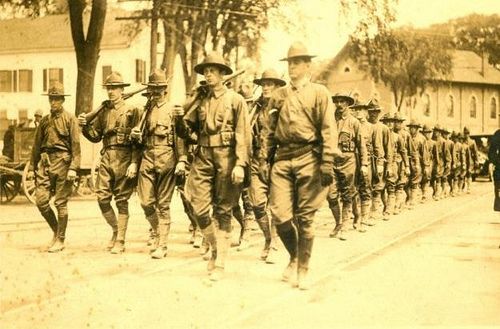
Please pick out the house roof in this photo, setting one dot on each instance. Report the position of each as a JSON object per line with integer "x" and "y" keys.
{"x": 467, "y": 68}
{"x": 52, "y": 33}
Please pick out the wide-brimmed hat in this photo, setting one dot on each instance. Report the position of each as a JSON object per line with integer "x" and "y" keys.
{"x": 414, "y": 123}
{"x": 39, "y": 113}
{"x": 115, "y": 79}
{"x": 56, "y": 90}
{"x": 157, "y": 79}
{"x": 445, "y": 130}
{"x": 213, "y": 59}
{"x": 297, "y": 50}
{"x": 272, "y": 76}
{"x": 438, "y": 127}
{"x": 426, "y": 129}
{"x": 386, "y": 117}
{"x": 398, "y": 117}
{"x": 466, "y": 130}
{"x": 359, "y": 106}
{"x": 343, "y": 97}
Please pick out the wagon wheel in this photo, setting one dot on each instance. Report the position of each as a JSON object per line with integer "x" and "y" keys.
{"x": 9, "y": 187}
{"x": 28, "y": 184}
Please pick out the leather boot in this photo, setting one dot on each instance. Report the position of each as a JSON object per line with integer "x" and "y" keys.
{"x": 61, "y": 235}
{"x": 119, "y": 246}
{"x": 335, "y": 209}
{"x": 211, "y": 241}
{"x": 391, "y": 201}
{"x": 50, "y": 218}
{"x": 346, "y": 220}
{"x": 305, "y": 250}
{"x": 223, "y": 244}
{"x": 163, "y": 231}
{"x": 400, "y": 196}
{"x": 153, "y": 231}
{"x": 273, "y": 249}
{"x": 377, "y": 209}
{"x": 266, "y": 230}
{"x": 356, "y": 210}
{"x": 288, "y": 235}
{"x": 110, "y": 218}
{"x": 198, "y": 238}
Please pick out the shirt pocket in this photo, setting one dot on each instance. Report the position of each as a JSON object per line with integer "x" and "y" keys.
{"x": 162, "y": 128}
{"x": 61, "y": 127}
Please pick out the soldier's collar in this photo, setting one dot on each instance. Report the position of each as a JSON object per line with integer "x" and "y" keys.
{"x": 344, "y": 113}
{"x": 119, "y": 103}
{"x": 160, "y": 104}
{"x": 56, "y": 113}
{"x": 299, "y": 85}
{"x": 219, "y": 91}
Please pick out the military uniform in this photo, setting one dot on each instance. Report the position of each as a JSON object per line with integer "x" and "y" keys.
{"x": 426, "y": 158}
{"x": 394, "y": 167}
{"x": 472, "y": 158}
{"x": 162, "y": 155}
{"x": 384, "y": 161}
{"x": 439, "y": 151}
{"x": 404, "y": 154}
{"x": 56, "y": 152}
{"x": 224, "y": 145}
{"x": 416, "y": 152}
{"x": 112, "y": 126}
{"x": 458, "y": 160}
{"x": 448, "y": 165}
{"x": 301, "y": 143}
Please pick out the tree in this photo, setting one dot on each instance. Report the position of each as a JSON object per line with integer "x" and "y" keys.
{"x": 404, "y": 60}
{"x": 86, "y": 43}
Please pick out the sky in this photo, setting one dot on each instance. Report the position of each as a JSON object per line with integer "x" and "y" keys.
{"x": 326, "y": 34}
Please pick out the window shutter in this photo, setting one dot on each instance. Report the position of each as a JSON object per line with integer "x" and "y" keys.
{"x": 44, "y": 80}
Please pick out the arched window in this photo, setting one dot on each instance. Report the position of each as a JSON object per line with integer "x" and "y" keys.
{"x": 426, "y": 101}
{"x": 493, "y": 108}
{"x": 347, "y": 69}
{"x": 451, "y": 106}
{"x": 472, "y": 107}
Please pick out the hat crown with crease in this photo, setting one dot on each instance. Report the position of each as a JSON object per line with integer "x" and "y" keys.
{"x": 297, "y": 50}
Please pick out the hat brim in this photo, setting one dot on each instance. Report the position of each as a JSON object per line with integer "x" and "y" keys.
{"x": 161, "y": 84}
{"x": 277, "y": 81}
{"x": 123, "y": 84}
{"x": 56, "y": 95}
{"x": 374, "y": 109}
{"x": 414, "y": 125}
{"x": 341, "y": 98}
{"x": 357, "y": 107}
{"x": 199, "y": 68}
{"x": 286, "y": 59}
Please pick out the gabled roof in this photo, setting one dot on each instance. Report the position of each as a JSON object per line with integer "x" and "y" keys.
{"x": 53, "y": 33}
{"x": 467, "y": 67}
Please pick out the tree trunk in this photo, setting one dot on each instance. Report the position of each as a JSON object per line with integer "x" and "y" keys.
{"x": 87, "y": 49}
{"x": 153, "y": 46}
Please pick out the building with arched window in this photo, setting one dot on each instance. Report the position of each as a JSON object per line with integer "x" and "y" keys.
{"x": 468, "y": 98}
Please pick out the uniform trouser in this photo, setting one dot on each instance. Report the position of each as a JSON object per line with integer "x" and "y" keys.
{"x": 51, "y": 181}
{"x": 426, "y": 178}
{"x": 415, "y": 181}
{"x": 345, "y": 171}
{"x": 209, "y": 185}
{"x": 496, "y": 204}
{"x": 436, "y": 181}
{"x": 112, "y": 181}
{"x": 155, "y": 187}
{"x": 390, "y": 188}
{"x": 445, "y": 180}
{"x": 258, "y": 194}
{"x": 295, "y": 192}
{"x": 365, "y": 194}
{"x": 378, "y": 186}
{"x": 401, "y": 183}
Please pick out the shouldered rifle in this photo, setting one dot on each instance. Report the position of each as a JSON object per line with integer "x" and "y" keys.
{"x": 93, "y": 114}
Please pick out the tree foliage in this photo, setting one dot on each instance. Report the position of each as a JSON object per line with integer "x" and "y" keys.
{"x": 404, "y": 60}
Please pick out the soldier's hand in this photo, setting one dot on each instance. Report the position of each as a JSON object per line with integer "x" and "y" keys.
{"x": 326, "y": 170}
{"x": 264, "y": 171}
{"x": 238, "y": 175}
{"x": 180, "y": 169}
{"x": 71, "y": 175}
{"x": 380, "y": 169}
{"x": 136, "y": 133}
{"x": 82, "y": 119}
{"x": 131, "y": 170}
{"x": 178, "y": 111}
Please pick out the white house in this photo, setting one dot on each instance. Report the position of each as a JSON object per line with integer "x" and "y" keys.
{"x": 34, "y": 52}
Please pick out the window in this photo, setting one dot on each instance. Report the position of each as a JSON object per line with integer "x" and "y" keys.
{"x": 140, "y": 71}
{"x": 426, "y": 100}
{"x": 106, "y": 70}
{"x": 7, "y": 81}
{"x": 347, "y": 69}
{"x": 493, "y": 108}
{"x": 451, "y": 106}
{"x": 25, "y": 81}
{"x": 50, "y": 76}
{"x": 472, "y": 107}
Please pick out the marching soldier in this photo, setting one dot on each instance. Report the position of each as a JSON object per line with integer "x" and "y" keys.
{"x": 426, "y": 158}
{"x": 439, "y": 161}
{"x": 164, "y": 158}
{"x": 300, "y": 140}
{"x": 404, "y": 153}
{"x": 458, "y": 160}
{"x": 119, "y": 157}
{"x": 352, "y": 146}
{"x": 384, "y": 161}
{"x": 218, "y": 169}
{"x": 55, "y": 159}
{"x": 373, "y": 140}
{"x": 394, "y": 167}
{"x": 259, "y": 189}
{"x": 416, "y": 149}
{"x": 448, "y": 162}
{"x": 472, "y": 158}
